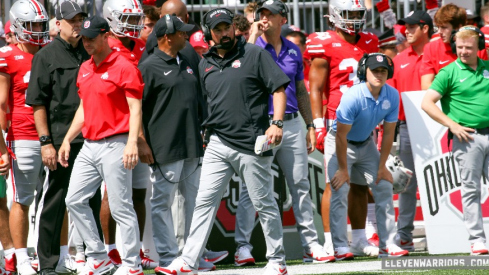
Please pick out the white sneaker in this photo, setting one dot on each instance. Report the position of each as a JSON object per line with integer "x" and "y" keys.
{"x": 478, "y": 248}
{"x": 392, "y": 251}
{"x": 275, "y": 269}
{"x": 35, "y": 264}
{"x": 177, "y": 267}
{"x": 25, "y": 267}
{"x": 406, "y": 245}
{"x": 343, "y": 253}
{"x": 79, "y": 262}
{"x": 205, "y": 266}
{"x": 317, "y": 255}
{"x": 125, "y": 270}
{"x": 363, "y": 248}
{"x": 66, "y": 265}
{"x": 243, "y": 257}
{"x": 98, "y": 267}
{"x": 215, "y": 256}
{"x": 329, "y": 249}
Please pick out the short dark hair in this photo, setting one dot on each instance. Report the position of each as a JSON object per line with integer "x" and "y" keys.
{"x": 242, "y": 24}
{"x": 151, "y": 12}
{"x": 301, "y": 35}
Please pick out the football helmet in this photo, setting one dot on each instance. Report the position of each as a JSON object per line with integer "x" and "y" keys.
{"x": 29, "y": 22}
{"x": 125, "y": 17}
{"x": 400, "y": 174}
{"x": 347, "y": 15}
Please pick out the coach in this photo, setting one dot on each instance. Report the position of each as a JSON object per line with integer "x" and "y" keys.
{"x": 172, "y": 130}
{"x": 237, "y": 78}
{"x": 461, "y": 88}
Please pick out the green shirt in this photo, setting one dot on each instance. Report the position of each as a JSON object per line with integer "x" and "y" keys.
{"x": 465, "y": 93}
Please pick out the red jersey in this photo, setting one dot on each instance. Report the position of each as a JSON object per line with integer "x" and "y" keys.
{"x": 134, "y": 55}
{"x": 485, "y": 31}
{"x": 17, "y": 64}
{"x": 103, "y": 90}
{"x": 407, "y": 75}
{"x": 343, "y": 60}
{"x": 438, "y": 54}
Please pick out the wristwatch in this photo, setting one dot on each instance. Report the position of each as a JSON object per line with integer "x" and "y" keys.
{"x": 45, "y": 140}
{"x": 278, "y": 123}
{"x": 310, "y": 126}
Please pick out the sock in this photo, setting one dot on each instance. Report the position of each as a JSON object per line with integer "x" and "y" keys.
{"x": 63, "y": 250}
{"x": 9, "y": 253}
{"x": 21, "y": 254}
{"x": 110, "y": 247}
{"x": 327, "y": 238}
{"x": 80, "y": 249}
{"x": 358, "y": 236}
{"x": 80, "y": 255}
{"x": 371, "y": 224}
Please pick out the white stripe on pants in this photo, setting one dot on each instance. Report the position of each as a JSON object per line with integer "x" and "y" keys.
{"x": 292, "y": 158}
{"x": 161, "y": 201}
{"x": 220, "y": 163}
{"x": 102, "y": 161}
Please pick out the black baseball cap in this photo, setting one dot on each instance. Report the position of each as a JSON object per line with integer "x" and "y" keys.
{"x": 274, "y": 6}
{"x": 93, "y": 26}
{"x": 378, "y": 60}
{"x": 161, "y": 27}
{"x": 417, "y": 17}
{"x": 216, "y": 16}
{"x": 68, "y": 10}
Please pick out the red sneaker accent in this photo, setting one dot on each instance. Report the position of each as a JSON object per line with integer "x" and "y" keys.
{"x": 11, "y": 264}
{"x": 374, "y": 240}
{"x": 115, "y": 257}
{"x": 343, "y": 257}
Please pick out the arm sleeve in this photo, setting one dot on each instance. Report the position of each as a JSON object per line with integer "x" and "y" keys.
{"x": 39, "y": 89}
{"x": 427, "y": 66}
{"x": 147, "y": 80}
{"x": 132, "y": 82}
{"x": 269, "y": 72}
{"x": 347, "y": 110}
{"x": 441, "y": 82}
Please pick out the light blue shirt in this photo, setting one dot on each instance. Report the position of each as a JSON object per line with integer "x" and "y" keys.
{"x": 361, "y": 110}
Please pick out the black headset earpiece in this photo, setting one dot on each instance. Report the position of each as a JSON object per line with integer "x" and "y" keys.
{"x": 361, "y": 70}
{"x": 170, "y": 29}
{"x": 481, "y": 44}
{"x": 205, "y": 28}
{"x": 362, "y": 67}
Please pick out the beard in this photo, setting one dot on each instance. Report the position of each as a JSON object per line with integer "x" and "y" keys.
{"x": 226, "y": 43}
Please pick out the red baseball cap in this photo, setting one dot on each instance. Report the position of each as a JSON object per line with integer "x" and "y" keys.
{"x": 7, "y": 27}
{"x": 197, "y": 40}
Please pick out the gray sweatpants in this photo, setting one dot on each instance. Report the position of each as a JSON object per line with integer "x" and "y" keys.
{"x": 292, "y": 158}
{"x": 162, "y": 199}
{"x": 219, "y": 165}
{"x": 407, "y": 199}
{"x": 99, "y": 161}
{"x": 365, "y": 160}
{"x": 473, "y": 161}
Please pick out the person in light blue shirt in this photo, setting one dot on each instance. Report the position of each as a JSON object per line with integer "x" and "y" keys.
{"x": 351, "y": 149}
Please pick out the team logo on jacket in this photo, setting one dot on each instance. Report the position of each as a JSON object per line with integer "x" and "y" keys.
{"x": 236, "y": 64}
{"x": 105, "y": 76}
{"x": 386, "y": 104}
{"x": 189, "y": 70}
{"x": 485, "y": 73}
{"x": 292, "y": 51}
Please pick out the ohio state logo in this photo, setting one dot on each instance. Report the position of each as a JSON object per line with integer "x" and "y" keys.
{"x": 443, "y": 182}
{"x": 236, "y": 64}
{"x": 86, "y": 24}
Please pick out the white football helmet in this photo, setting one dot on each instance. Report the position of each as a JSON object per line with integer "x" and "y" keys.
{"x": 400, "y": 174}
{"x": 29, "y": 22}
{"x": 347, "y": 15}
{"x": 125, "y": 17}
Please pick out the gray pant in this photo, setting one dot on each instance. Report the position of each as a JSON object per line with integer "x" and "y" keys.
{"x": 102, "y": 161}
{"x": 219, "y": 165}
{"x": 407, "y": 199}
{"x": 163, "y": 196}
{"x": 473, "y": 161}
{"x": 293, "y": 160}
{"x": 365, "y": 160}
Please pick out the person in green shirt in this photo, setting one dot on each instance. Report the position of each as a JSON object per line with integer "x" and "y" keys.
{"x": 463, "y": 91}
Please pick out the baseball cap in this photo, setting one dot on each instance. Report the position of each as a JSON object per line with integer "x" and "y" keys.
{"x": 197, "y": 40}
{"x": 286, "y": 29}
{"x": 274, "y": 6}
{"x": 217, "y": 16}
{"x": 378, "y": 60}
{"x": 416, "y": 17}
{"x": 161, "y": 28}
{"x": 68, "y": 10}
{"x": 93, "y": 26}
{"x": 387, "y": 38}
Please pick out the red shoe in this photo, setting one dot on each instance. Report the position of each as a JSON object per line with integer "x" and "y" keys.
{"x": 374, "y": 240}
{"x": 115, "y": 257}
{"x": 11, "y": 264}
{"x": 392, "y": 251}
{"x": 146, "y": 262}
{"x": 343, "y": 254}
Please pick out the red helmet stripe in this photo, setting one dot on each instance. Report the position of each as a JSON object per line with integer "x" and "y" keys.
{"x": 36, "y": 5}
{"x": 136, "y": 4}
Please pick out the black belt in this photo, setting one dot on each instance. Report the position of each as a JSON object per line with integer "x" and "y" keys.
{"x": 482, "y": 131}
{"x": 353, "y": 142}
{"x": 288, "y": 116}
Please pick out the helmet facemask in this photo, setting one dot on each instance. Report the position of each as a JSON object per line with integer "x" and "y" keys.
{"x": 33, "y": 32}
{"x": 350, "y": 21}
{"x": 129, "y": 24}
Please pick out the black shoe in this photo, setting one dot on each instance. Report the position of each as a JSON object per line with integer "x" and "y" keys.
{"x": 47, "y": 271}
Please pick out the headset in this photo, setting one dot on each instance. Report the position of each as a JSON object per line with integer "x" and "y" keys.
{"x": 260, "y": 3}
{"x": 205, "y": 29}
{"x": 362, "y": 67}
{"x": 480, "y": 43}
{"x": 170, "y": 29}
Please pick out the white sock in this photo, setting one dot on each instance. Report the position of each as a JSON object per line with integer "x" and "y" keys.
{"x": 371, "y": 224}
{"x": 109, "y": 247}
{"x": 63, "y": 250}
{"x": 9, "y": 253}
{"x": 358, "y": 236}
{"x": 327, "y": 238}
{"x": 21, "y": 254}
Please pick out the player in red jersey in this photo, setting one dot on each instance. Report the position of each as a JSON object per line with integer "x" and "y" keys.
{"x": 438, "y": 53}
{"x": 29, "y": 22}
{"x": 335, "y": 55}
{"x": 126, "y": 20}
